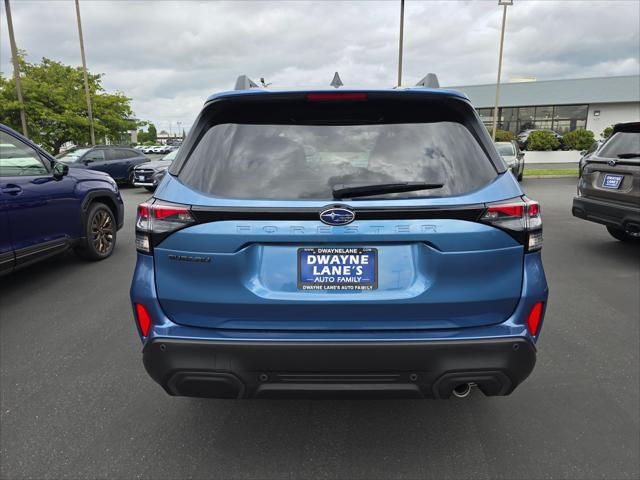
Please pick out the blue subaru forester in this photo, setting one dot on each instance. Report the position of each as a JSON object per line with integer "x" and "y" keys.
{"x": 338, "y": 242}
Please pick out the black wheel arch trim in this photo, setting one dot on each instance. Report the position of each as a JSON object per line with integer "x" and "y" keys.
{"x": 94, "y": 194}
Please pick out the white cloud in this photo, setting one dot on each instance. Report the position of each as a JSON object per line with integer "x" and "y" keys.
{"x": 169, "y": 56}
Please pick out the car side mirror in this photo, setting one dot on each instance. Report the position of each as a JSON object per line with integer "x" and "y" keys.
{"x": 87, "y": 161}
{"x": 583, "y": 152}
{"x": 60, "y": 170}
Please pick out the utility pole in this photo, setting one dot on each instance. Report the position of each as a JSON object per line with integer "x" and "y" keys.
{"x": 401, "y": 41}
{"x": 86, "y": 78}
{"x": 16, "y": 68}
{"x": 504, "y": 3}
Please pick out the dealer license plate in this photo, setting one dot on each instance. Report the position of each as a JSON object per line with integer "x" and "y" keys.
{"x": 329, "y": 268}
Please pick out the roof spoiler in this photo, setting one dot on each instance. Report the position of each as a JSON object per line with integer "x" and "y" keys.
{"x": 245, "y": 83}
{"x": 429, "y": 81}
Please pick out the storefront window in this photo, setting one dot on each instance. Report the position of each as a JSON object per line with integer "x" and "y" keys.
{"x": 509, "y": 119}
{"x": 562, "y": 119}
{"x": 526, "y": 117}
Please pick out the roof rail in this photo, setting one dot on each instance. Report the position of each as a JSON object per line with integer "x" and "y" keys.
{"x": 245, "y": 83}
{"x": 429, "y": 81}
{"x": 336, "y": 82}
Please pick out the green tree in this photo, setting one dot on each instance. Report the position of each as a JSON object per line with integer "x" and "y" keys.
{"x": 148, "y": 136}
{"x": 152, "y": 133}
{"x": 579, "y": 139}
{"x": 541, "y": 140}
{"x": 56, "y": 107}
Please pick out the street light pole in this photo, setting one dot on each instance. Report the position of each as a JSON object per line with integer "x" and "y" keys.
{"x": 504, "y": 3}
{"x": 16, "y": 68}
{"x": 86, "y": 78}
{"x": 401, "y": 41}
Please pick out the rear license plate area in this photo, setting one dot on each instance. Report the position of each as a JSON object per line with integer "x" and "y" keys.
{"x": 612, "y": 181}
{"x": 335, "y": 268}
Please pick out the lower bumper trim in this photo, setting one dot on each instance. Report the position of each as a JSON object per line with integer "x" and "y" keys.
{"x": 231, "y": 369}
{"x": 605, "y": 213}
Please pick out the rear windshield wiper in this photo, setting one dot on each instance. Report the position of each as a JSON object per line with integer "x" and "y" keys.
{"x": 628, "y": 155}
{"x": 346, "y": 191}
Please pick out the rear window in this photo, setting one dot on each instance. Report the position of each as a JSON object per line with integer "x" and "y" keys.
{"x": 308, "y": 161}
{"x": 622, "y": 143}
{"x": 505, "y": 149}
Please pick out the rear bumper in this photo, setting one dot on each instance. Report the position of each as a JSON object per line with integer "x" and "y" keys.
{"x": 606, "y": 213}
{"x": 429, "y": 369}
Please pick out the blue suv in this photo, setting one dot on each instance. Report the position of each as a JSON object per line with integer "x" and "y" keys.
{"x": 117, "y": 161}
{"x": 338, "y": 242}
{"x": 45, "y": 210}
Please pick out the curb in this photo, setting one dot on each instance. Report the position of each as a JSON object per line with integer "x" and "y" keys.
{"x": 550, "y": 176}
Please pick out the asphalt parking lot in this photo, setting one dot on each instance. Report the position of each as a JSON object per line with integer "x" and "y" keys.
{"x": 77, "y": 403}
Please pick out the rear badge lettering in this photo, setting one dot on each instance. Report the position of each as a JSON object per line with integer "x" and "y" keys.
{"x": 189, "y": 258}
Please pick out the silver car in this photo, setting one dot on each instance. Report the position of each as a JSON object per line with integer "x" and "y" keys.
{"x": 511, "y": 153}
{"x": 151, "y": 173}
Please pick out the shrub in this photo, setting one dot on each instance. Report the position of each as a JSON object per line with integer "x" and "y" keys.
{"x": 504, "y": 136}
{"x": 501, "y": 135}
{"x": 580, "y": 139}
{"x": 606, "y": 133}
{"x": 542, "y": 141}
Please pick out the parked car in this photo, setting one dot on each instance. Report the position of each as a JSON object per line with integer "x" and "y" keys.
{"x": 609, "y": 184}
{"x": 523, "y": 137}
{"x": 46, "y": 208}
{"x": 338, "y": 242}
{"x": 511, "y": 153}
{"x": 149, "y": 175}
{"x": 115, "y": 160}
{"x": 157, "y": 149}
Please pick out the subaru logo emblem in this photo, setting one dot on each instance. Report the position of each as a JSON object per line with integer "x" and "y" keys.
{"x": 337, "y": 216}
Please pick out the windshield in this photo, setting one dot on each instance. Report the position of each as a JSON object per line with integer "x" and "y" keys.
{"x": 620, "y": 144}
{"x": 72, "y": 155}
{"x": 170, "y": 156}
{"x": 505, "y": 149}
{"x": 308, "y": 161}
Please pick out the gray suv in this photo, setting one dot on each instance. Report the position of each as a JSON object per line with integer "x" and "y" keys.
{"x": 609, "y": 184}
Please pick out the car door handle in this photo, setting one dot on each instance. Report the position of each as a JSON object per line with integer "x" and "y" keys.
{"x": 12, "y": 189}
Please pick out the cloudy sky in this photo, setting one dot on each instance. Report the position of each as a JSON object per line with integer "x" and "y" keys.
{"x": 169, "y": 56}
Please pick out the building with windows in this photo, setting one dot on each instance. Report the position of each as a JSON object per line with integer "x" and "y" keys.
{"x": 560, "y": 105}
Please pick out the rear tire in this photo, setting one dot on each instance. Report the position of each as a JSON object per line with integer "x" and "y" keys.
{"x": 520, "y": 177}
{"x": 100, "y": 233}
{"x": 623, "y": 236}
{"x": 131, "y": 178}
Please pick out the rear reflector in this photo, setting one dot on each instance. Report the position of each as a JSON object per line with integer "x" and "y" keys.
{"x": 533, "y": 322}
{"x": 144, "y": 319}
{"x": 332, "y": 97}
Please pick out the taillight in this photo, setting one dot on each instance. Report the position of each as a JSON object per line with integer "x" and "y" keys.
{"x": 156, "y": 220}
{"x": 533, "y": 321}
{"x": 520, "y": 219}
{"x": 143, "y": 318}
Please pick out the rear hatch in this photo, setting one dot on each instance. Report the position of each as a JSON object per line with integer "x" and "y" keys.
{"x": 613, "y": 174}
{"x": 273, "y": 230}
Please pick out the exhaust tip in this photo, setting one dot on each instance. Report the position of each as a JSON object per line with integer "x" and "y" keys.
{"x": 462, "y": 390}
